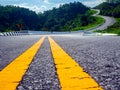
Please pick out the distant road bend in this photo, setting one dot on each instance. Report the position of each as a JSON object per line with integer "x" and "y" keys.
{"x": 60, "y": 61}
{"x": 108, "y": 21}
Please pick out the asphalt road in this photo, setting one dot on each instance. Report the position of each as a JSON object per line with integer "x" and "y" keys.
{"x": 108, "y": 22}
{"x": 98, "y": 55}
{"x": 12, "y": 46}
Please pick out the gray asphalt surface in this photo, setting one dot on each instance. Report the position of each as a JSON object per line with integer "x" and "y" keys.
{"x": 98, "y": 55}
{"x": 42, "y": 73}
{"x": 12, "y": 46}
{"x": 108, "y": 22}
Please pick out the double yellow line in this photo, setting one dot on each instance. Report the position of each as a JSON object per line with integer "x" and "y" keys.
{"x": 70, "y": 74}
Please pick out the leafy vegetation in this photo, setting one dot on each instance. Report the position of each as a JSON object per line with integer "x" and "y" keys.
{"x": 111, "y": 9}
{"x": 65, "y": 17}
{"x": 98, "y": 21}
{"x": 72, "y": 16}
{"x": 113, "y": 1}
{"x": 112, "y": 29}
{"x": 11, "y": 16}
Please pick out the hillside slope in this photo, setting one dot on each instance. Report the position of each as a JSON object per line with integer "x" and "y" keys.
{"x": 109, "y": 9}
{"x": 11, "y": 16}
{"x": 67, "y": 17}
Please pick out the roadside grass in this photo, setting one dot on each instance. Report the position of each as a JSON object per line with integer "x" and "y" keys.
{"x": 98, "y": 22}
{"x": 115, "y": 29}
{"x": 92, "y": 12}
{"x": 9, "y": 30}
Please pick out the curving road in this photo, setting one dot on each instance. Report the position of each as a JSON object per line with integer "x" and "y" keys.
{"x": 98, "y": 56}
{"x": 108, "y": 22}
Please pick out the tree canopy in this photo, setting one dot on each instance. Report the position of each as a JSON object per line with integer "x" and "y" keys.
{"x": 113, "y": 1}
{"x": 11, "y": 16}
{"x": 109, "y": 9}
{"x": 66, "y": 17}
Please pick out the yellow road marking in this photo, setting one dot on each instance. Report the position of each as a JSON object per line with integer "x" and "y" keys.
{"x": 70, "y": 74}
{"x": 11, "y": 75}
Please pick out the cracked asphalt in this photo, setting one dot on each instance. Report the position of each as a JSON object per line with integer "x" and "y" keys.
{"x": 98, "y": 55}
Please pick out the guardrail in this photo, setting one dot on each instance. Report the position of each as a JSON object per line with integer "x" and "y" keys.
{"x": 14, "y": 33}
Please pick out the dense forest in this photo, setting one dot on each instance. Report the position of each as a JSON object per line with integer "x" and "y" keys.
{"x": 109, "y": 9}
{"x": 113, "y": 1}
{"x": 66, "y": 17}
{"x": 11, "y": 16}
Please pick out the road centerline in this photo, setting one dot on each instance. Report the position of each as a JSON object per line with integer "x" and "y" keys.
{"x": 12, "y": 74}
{"x": 70, "y": 74}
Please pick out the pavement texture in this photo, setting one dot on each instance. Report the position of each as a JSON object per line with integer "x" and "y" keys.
{"x": 42, "y": 72}
{"x": 12, "y": 46}
{"x": 98, "y": 55}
